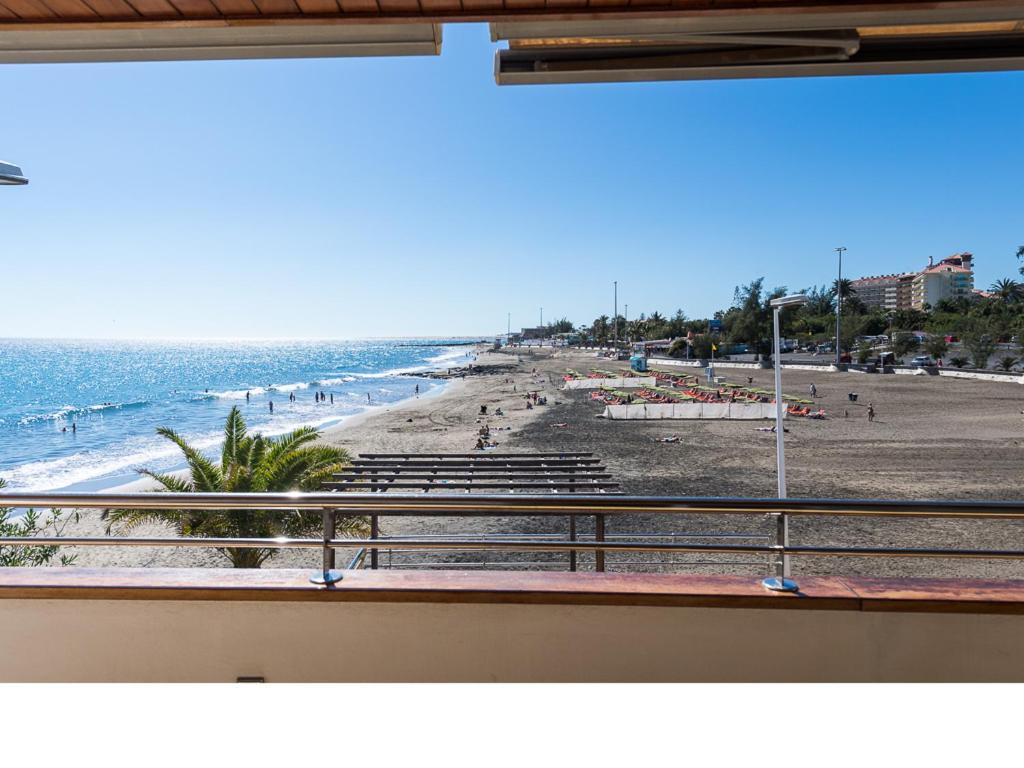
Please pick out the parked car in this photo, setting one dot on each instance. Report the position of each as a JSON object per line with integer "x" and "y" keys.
{"x": 921, "y": 361}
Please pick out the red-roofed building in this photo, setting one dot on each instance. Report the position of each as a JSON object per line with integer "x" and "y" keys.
{"x": 951, "y": 278}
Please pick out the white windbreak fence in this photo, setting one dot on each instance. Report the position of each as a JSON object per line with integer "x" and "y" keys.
{"x": 626, "y": 382}
{"x": 691, "y": 411}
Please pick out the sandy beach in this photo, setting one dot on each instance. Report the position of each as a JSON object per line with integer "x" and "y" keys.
{"x": 932, "y": 438}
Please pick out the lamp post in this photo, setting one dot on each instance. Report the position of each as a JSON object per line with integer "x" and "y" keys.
{"x": 615, "y": 316}
{"x": 839, "y": 301}
{"x": 781, "y": 582}
{"x": 10, "y": 174}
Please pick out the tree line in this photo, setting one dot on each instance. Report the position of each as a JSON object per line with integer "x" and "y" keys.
{"x": 979, "y": 323}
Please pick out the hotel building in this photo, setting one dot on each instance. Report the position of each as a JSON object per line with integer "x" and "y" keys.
{"x": 951, "y": 278}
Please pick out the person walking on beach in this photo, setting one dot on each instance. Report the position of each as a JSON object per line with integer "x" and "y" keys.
{"x": 271, "y": 403}
{"x": 814, "y": 390}
{"x": 367, "y": 397}
{"x": 247, "y": 396}
{"x": 871, "y": 411}
{"x": 417, "y": 389}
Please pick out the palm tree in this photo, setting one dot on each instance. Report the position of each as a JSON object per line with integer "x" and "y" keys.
{"x": 845, "y": 287}
{"x": 248, "y": 464}
{"x": 1007, "y": 289}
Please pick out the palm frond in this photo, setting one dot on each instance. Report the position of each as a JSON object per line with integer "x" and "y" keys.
{"x": 124, "y": 521}
{"x": 171, "y": 483}
{"x": 278, "y": 446}
{"x": 234, "y": 434}
{"x": 293, "y": 469}
{"x": 205, "y": 475}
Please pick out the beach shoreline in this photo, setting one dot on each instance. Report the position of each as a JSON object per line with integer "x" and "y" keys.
{"x": 905, "y": 453}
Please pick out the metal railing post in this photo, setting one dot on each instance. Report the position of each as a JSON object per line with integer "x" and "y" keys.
{"x": 781, "y": 582}
{"x": 572, "y": 537}
{"x": 328, "y": 577}
{"x": 599, "y": 536}
{"x": 374, "y": 533}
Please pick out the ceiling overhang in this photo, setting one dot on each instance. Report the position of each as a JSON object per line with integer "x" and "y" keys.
{"x": 830, "y": 41}
{"x": 550, "y": 41}
{"x": 210, "y": 41}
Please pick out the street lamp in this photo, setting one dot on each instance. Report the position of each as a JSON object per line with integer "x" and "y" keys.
{"x": 615, "y": 318}
{"x": 11, "y": 174}
{"x": 839, "y": 301}
{"x": 781, "y": 581}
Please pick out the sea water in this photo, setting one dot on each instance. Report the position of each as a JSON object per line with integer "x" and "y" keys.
{"x": 116, "y": 393}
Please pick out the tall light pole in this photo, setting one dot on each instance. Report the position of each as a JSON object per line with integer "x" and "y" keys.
{"x": 839, "y": 301}
{"x": 615, "y": 316}
{"x": 10, "y": 174}
{"x": 626, "y": 329}
{"x": 508, "y": 333}
{"x": 781, "y": 581}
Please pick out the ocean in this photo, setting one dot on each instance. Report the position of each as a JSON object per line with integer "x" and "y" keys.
{"x": 116, "y": 393}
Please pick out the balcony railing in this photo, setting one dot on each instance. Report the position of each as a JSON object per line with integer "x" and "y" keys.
{"x": 603, "y": 509}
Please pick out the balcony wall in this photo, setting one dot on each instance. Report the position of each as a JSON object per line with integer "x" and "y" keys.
{"x": 157, "y": 625}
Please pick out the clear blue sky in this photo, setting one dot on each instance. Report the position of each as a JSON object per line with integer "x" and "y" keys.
{"x": 357, "y": 197}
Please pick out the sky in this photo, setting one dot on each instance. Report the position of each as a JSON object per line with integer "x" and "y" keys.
{"x": 350, "y": 198}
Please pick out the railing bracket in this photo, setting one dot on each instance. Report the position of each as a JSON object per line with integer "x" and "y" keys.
{"x": 780, "y": 584}
{"x": 327, "y": 578}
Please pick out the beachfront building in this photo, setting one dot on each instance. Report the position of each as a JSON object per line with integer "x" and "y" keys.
{"x": 951, "y": 278}
{"x": 888, "y": 292}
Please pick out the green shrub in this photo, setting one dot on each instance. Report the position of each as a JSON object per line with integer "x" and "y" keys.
{"x": 33, "y": 524}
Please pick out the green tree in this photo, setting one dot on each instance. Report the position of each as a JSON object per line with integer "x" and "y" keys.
{"x": 1007, "y": 363}
{"x": 32, "y": 524}
{"x": 904, "y": 344}
{"x": 980, "y": 347}
{"x": 1007, "y": 290}
{"x": 677, "y": 325}
{"x": 1020, "y": 257}
{"x": 560, "y": 326}
{"x": 863, "y": 352}
{"x": 845, "y": 287}
{"x": 249, "y": 464}
{"x": 958, "y": 362}
{"x": 750, "y": 317}
{"x": 936, "y": 346}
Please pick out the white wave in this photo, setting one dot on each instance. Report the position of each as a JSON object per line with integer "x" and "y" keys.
{"x": 289, "y": 387}
{"x": 79, "y": 467}
{"x": 451, "y": 354}
{"x": 235, "y": 394}
{"x": 66, "y": 411}
{"x": 334, "y": 382}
